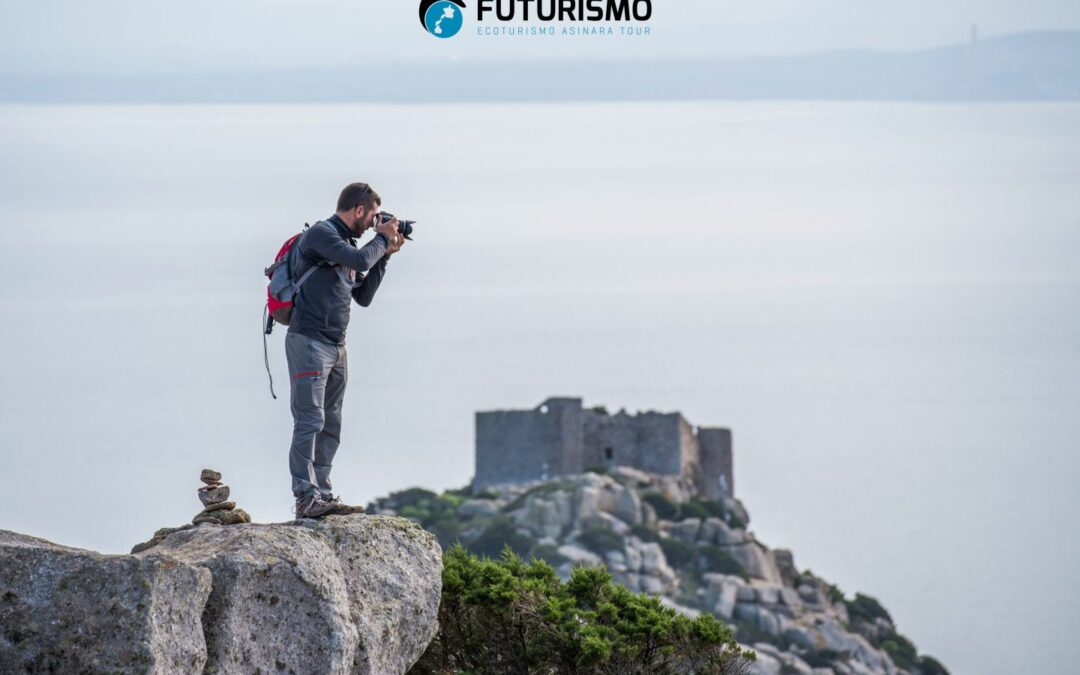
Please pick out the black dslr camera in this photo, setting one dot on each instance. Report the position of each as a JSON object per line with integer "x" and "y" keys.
{"x": 404, "y": 227}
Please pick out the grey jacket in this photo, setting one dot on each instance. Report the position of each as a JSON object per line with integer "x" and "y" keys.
{"x": 321, "y": 309}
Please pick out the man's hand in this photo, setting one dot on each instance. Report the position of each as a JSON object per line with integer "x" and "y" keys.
{"x": 396, "y": 242}
{"x": 388, "y": 229}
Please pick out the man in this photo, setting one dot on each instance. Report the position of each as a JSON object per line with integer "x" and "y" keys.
{"x": 315, "y": 343}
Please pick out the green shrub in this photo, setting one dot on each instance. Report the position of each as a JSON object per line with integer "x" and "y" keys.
{"x": 549, "y": 553}
{"x": 822, "y": 658}
{"x": 834, "y": 593}
{"x": 506, "y": 616}
{"x": 715, "y": 559}
{"x": 901, "y": 651}
{"x": 446, "y": 529}
{"x": 410, "y": 496}
{"x": 865, "y": 608}
{"x": 501, "y": 532}
{"x": 928, "y": 665}
{"x": 689, "y": 583}
{"x": 749, "y": 633}
{"x": 448, "y": 501}
{"x": 679, "y": 554}
{"x": 600, "y": 540}
{"x": 664, "y": 507}
{"x": 693, "y": 509}
{"x": 416, "y": 512}
{"x": 644, "y": 533}
{"x": 465, "y": 491}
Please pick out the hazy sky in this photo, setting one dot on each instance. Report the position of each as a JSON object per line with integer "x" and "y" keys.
{"x": 130, "y": 35}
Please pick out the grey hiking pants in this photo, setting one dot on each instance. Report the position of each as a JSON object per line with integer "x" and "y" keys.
{"x": 318, "y": 372}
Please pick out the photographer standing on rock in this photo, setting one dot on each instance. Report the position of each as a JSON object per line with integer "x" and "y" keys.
{"x": 315, "y": 343}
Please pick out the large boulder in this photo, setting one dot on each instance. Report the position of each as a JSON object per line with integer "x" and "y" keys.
{"x": 756, "y": 561}
{"x": 68, "y": 610}
{"x": 279, "y": 597}
{"x": 687, "y": 530}
{"x": 627, "y": 506}
{"x": 721, "y": 594}
{"x": 343, "y": 594}
{"x": 393, "y": 575}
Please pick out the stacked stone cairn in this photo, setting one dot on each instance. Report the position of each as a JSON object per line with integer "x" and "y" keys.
{"x": 214, "y": 496}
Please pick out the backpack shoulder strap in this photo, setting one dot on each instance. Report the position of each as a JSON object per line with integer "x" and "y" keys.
{"x": 314, "y": 264}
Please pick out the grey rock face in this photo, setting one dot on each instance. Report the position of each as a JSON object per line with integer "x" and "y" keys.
{"x": 627, "y": 506}
{"x": 687, "y": 530}
{"x": 579, "y": 556}
{"x": 393, "y": 576}
{"x": 68, "y": 610}
{"x": 785, "y": 565}
{"x": 756, "y": 561}
{"x": 343, "y": 594}
{"x": 722, "y": 593}
{"x": 279, "y": 597}
{"x": 607, "y": 521}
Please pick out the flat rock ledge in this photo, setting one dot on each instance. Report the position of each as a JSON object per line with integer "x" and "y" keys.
{"x": 352, "y": 594}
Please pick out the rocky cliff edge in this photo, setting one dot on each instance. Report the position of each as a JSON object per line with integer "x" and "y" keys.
{"x": 343, "y": 594}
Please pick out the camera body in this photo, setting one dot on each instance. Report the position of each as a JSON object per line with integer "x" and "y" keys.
{"x": 404, "y": 228}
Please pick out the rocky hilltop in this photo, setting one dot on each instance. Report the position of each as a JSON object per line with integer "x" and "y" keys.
{"x": 656, "y": 536}
{"x": 343, "y": 594}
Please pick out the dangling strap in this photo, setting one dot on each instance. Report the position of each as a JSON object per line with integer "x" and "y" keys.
{"x": 266, "y": 358}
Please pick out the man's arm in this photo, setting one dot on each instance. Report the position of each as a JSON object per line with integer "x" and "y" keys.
{"x": 324, "y": 241}
{"x": 365, "y": 292}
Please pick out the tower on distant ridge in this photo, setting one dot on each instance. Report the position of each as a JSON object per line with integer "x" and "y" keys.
{"x": 560, "y": 437}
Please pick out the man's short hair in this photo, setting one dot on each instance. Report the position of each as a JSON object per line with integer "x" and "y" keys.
{"x": 357, "y": 194}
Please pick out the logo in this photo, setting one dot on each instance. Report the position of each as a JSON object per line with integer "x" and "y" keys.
{"x": 442, "y": 18}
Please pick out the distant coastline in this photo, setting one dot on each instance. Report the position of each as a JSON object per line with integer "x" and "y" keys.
{"x": 1028, "y": 66}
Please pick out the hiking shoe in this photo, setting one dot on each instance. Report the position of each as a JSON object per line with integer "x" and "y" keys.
{"x": 340, "y": 508}
{"x": 312, "y": 506}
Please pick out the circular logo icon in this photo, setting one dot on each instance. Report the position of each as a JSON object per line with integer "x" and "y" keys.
{"x": 442, "y": 18}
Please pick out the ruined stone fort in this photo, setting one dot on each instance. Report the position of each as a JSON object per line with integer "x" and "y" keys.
{"x": 559, "y": 437}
